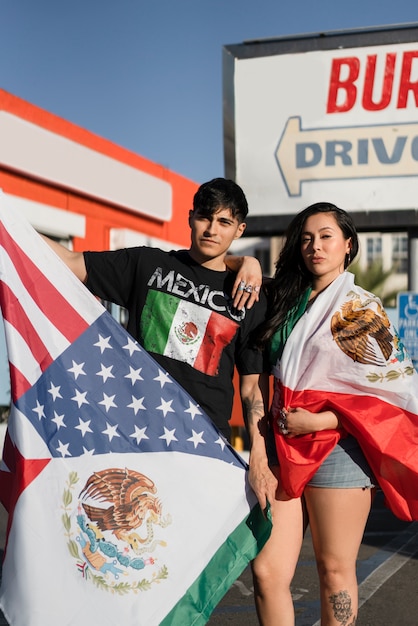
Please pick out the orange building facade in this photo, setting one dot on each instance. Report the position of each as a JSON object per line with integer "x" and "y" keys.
{"x": 86, "y": 191}
{"x": 79, "y": 186}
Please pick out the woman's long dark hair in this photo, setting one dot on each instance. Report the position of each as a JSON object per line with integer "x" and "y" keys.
{"x": 291, "y": 278}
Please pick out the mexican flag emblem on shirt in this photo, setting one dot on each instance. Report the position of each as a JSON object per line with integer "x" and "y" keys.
{"x": 185, "y": 331}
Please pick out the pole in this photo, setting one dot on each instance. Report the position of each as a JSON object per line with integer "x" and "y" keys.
{"x": 413, "y": 260}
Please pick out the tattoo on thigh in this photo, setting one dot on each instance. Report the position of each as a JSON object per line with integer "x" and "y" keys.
{"x": 341, "y": 606}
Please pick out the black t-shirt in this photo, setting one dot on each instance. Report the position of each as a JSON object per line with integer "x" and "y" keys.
{"x": 182, "y": 314}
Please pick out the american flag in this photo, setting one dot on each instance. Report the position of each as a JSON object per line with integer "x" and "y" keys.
{"x": 88, "y": 399}
{"x": 97, "y": 399}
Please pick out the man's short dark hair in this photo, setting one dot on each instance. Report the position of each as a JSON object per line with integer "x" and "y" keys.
{"x": 221, "y": 193}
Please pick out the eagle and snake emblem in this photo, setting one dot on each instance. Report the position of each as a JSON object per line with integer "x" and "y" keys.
{"x": 363, "y": 333}
{"x": 117, "y": 515}
{"x": 130, "y": 496}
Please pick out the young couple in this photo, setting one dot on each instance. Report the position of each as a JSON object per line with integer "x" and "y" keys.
{"x": 323, "y": 334}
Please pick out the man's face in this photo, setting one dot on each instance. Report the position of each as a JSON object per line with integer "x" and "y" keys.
{"x": 212, "y": 236}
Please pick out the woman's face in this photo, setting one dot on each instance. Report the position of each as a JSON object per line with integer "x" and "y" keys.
{"x": 324, "y": 247}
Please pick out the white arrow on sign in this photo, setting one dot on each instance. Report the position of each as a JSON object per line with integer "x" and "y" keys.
{"x": 382, "y": 151}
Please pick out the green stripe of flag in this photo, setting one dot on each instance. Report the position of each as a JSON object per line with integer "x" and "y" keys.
{"x": 157, "y": 316}
{"x": 230, "y": 560}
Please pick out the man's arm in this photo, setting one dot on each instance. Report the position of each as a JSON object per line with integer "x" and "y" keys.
{"x": 73, "y": 260}
{"x": 254, "y": 396}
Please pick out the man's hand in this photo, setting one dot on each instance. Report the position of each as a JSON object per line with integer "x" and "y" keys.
{"x": 262, "y": 480}
{"x": 255, "y": 398}
{"x": 248, "y": 282}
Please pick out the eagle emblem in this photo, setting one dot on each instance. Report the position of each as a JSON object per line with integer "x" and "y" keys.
{"x": 187, "y": 333}
{"x": 130, "y": 497}
{"x": 362, "y": 332}
{"x": 115, "y": 527}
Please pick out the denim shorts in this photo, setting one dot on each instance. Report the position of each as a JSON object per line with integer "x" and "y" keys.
{"x": 344, "y": 468}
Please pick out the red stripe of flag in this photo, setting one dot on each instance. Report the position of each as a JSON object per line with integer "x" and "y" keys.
{"x": 14, "y": 482}
{"x": 386, "y": 433}
{"x": 19, "y": 383}
{"x": 7, "y": 477}
{"x": 15, "y": 314}
{"x": 9, "y": 457}
{"x": 54, "y": 306}
{"x": 219, "y": 333}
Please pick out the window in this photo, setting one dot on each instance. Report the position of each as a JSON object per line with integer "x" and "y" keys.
{"x": 374, "y": 250}
{"x": 118, "y": 312}
{"x": 400, "y": 253}
{"x": 263, "y": 255}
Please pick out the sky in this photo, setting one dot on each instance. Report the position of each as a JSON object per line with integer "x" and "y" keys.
{"x": 147, "y": 75}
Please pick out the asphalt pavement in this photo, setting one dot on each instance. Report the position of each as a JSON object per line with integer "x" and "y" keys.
{"x": 387, "y": 571}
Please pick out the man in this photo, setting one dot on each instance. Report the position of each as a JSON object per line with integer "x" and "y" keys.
{"x": 181, "y": 304}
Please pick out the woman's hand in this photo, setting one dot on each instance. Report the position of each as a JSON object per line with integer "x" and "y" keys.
{"x": 248, "y": 282}
{"x": 298, "y": 421}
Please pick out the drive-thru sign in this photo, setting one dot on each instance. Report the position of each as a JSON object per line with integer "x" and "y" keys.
{"x": 325, "y": 117}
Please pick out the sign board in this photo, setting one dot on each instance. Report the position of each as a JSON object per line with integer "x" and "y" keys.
{"x": 408, "y": 322}
{"x": 324, "y": 117}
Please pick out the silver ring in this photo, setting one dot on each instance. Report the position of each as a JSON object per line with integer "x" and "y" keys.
{"x": 282, "y": 427}
{"x": 241, "y": 286}
{"x": 248, "y": 288}
{"x": 256, "y": 289}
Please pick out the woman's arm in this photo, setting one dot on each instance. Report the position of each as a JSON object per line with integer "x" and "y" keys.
{"x": 302, "y": 422}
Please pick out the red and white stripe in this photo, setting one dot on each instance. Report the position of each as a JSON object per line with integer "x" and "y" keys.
{"x": 39, "y": 322}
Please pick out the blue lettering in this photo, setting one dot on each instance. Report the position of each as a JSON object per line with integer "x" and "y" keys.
{"x": 382, "y": 154}
{"x": 334, "y": 149}
{"x": 305, "y": 150}
{"x": 340, "y": 152}
{"x": 414, "y": 148}
{"x": 363, "y": 151}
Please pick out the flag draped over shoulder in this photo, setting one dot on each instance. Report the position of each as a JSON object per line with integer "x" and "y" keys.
{"x": 345, "y": 355}
{"x": 126, "y": 506}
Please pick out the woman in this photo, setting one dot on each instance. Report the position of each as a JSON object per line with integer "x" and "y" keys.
{"x": 342, "y": 378}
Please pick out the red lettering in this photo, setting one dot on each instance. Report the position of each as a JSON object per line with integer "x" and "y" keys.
{"x": 369, "y": 81}
{"x": 406, "y": 85}
{"x": 346, "y": 85}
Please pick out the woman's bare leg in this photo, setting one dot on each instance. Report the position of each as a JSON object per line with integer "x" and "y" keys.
{"x": 337, "y": 520}
{"x": 274, "y": 567}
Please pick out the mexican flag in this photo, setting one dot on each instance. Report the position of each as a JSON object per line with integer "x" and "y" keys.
{"x": 345, "y": 355}
{"x": 126, "y": 505}
{"x": 184, "y": 331}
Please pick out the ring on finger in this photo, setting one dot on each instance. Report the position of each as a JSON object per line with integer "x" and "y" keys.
{"x": 241, "y": 286}
{"x": 248, "y": 288}
{"x": 283, "y": 427}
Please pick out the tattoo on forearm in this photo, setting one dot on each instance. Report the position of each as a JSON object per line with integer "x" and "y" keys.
{"x": 342, "y": 609}
{"x": 253, "y": 411}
